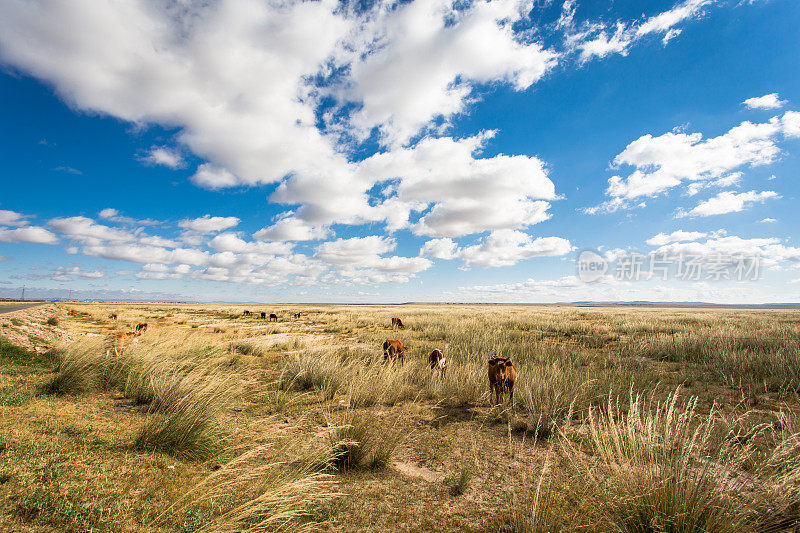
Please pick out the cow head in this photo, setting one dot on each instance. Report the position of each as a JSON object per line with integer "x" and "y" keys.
{"x": 500, "y": 365}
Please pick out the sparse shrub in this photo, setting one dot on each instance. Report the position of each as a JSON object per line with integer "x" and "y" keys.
{"x": 185, "y": 430}
{"x": 359, "y": 442}
{"x": 52, "y": 321}
{"x": 460, "y": 482}
{"x": 658, "y": 466}
{"x": 251, "y": 493}
{"x": 82, "y": 367}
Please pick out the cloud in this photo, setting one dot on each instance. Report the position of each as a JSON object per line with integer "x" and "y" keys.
{"x": 67, "y": 169}
{"x": 12, "y": 218}
{"x": 161, "y": 271}
{"x": 675, "y": 236}
{"x": 138, "y": 253}
{"x": 291, "y": 228}
{"x": 243, "y": 84}
{"x": 164, "y": 156}
{"x": 439, "y": 248}
{"x": 230, "y": 242}
{"x": 33, "y": 234}
{"x": 599, "y": 40}
{"x": 768, "y": 220}
{"x": 113, "y": 215}
{"x": 508, "y": 247}
{"x": 729, "y": 202}
{"x": 88, "y": 231}
{"x": 768, "y": 101}
{"x": 231, "y": 75}
{"x": 500, "y": 248}
{"x": 207, "y": 224}
{"x": 66, "y": 274}
{"x": 362, "y": 260}
{"x": 402, "y": 86}
{"x": 770, "y": 250}
{"x": 667, "y": 161}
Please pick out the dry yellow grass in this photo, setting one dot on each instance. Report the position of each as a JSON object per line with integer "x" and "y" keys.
{"x": 216, "y": 422}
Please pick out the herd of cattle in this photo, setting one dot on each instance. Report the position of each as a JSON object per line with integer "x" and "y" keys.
{"x": 502, "y": 373}
{"x": 272, "y": 316}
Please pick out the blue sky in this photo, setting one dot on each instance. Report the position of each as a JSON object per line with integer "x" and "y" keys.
{"x": 243, "y": 150}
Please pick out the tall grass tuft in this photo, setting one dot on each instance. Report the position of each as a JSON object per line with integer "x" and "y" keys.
{"x": 659, "y": 467}
{"x": 255, "y": 492}
{"x": 358, "y": 441}
{"x": 186, "y": 429}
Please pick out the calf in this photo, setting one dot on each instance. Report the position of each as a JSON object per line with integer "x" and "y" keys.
{"x": 502, "y": 376}
{"x": 273, "y": 316}
{"x": 122, "y": 339}
{"x": 263, "y": 315}
{"x": 112, "y": 316}
{"x": 397, "y": 323}
{"x": 437, "y": 361}
{"x": 394, "y": 350}
{"x": 141, "y": 328}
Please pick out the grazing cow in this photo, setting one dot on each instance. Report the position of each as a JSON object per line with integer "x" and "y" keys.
{"x": 141, "y": 328}
{"x": 394, "y": 350}
{"x": 263, "y": 315}
{"x": 438, "y": 361}
{"x": 123, "y": 339}
{"x": 297, "y": 315}
{"x": 112, "y": 316}
{"x": 502, "y": 376}
{"x": 273, "y": 316}
{"x": 246, "y": 313}
{"x": 397, "y": 323}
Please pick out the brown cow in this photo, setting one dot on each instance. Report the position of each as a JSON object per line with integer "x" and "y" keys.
{"x": 273, "y": 316}
{"x": 141, "y": 328}
{"x": 502, "y": 376}
{"x": 437, "y": 361}
{"x": 247, "y": 313}
{"x": 123, "y": 339}
{"x": 397, "y": 323}
{"x": 112, "y": 316}
{"x": 394, "y": 350}
{"x": 263, "y": 315}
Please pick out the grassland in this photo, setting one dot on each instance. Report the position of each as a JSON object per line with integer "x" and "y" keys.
{"x": 626, "y": 419}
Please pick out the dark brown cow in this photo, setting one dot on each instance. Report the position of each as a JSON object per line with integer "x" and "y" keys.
{"x": 112, "y": 316}
{"x": 263, "y": 315}
{"x": 141, "y": 328}
{"x": 437, "y": 361}
{"x": 502, "y": 376}
{"x": 297, "y": 315}
{"x": 273, "y": 316}
{"x": 397, "y": 323}
{"x": 394, "y": 350}
{"x": 247, "y": 313}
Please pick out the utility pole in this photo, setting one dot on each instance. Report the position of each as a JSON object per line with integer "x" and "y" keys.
{"x": 23, "y": 293}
